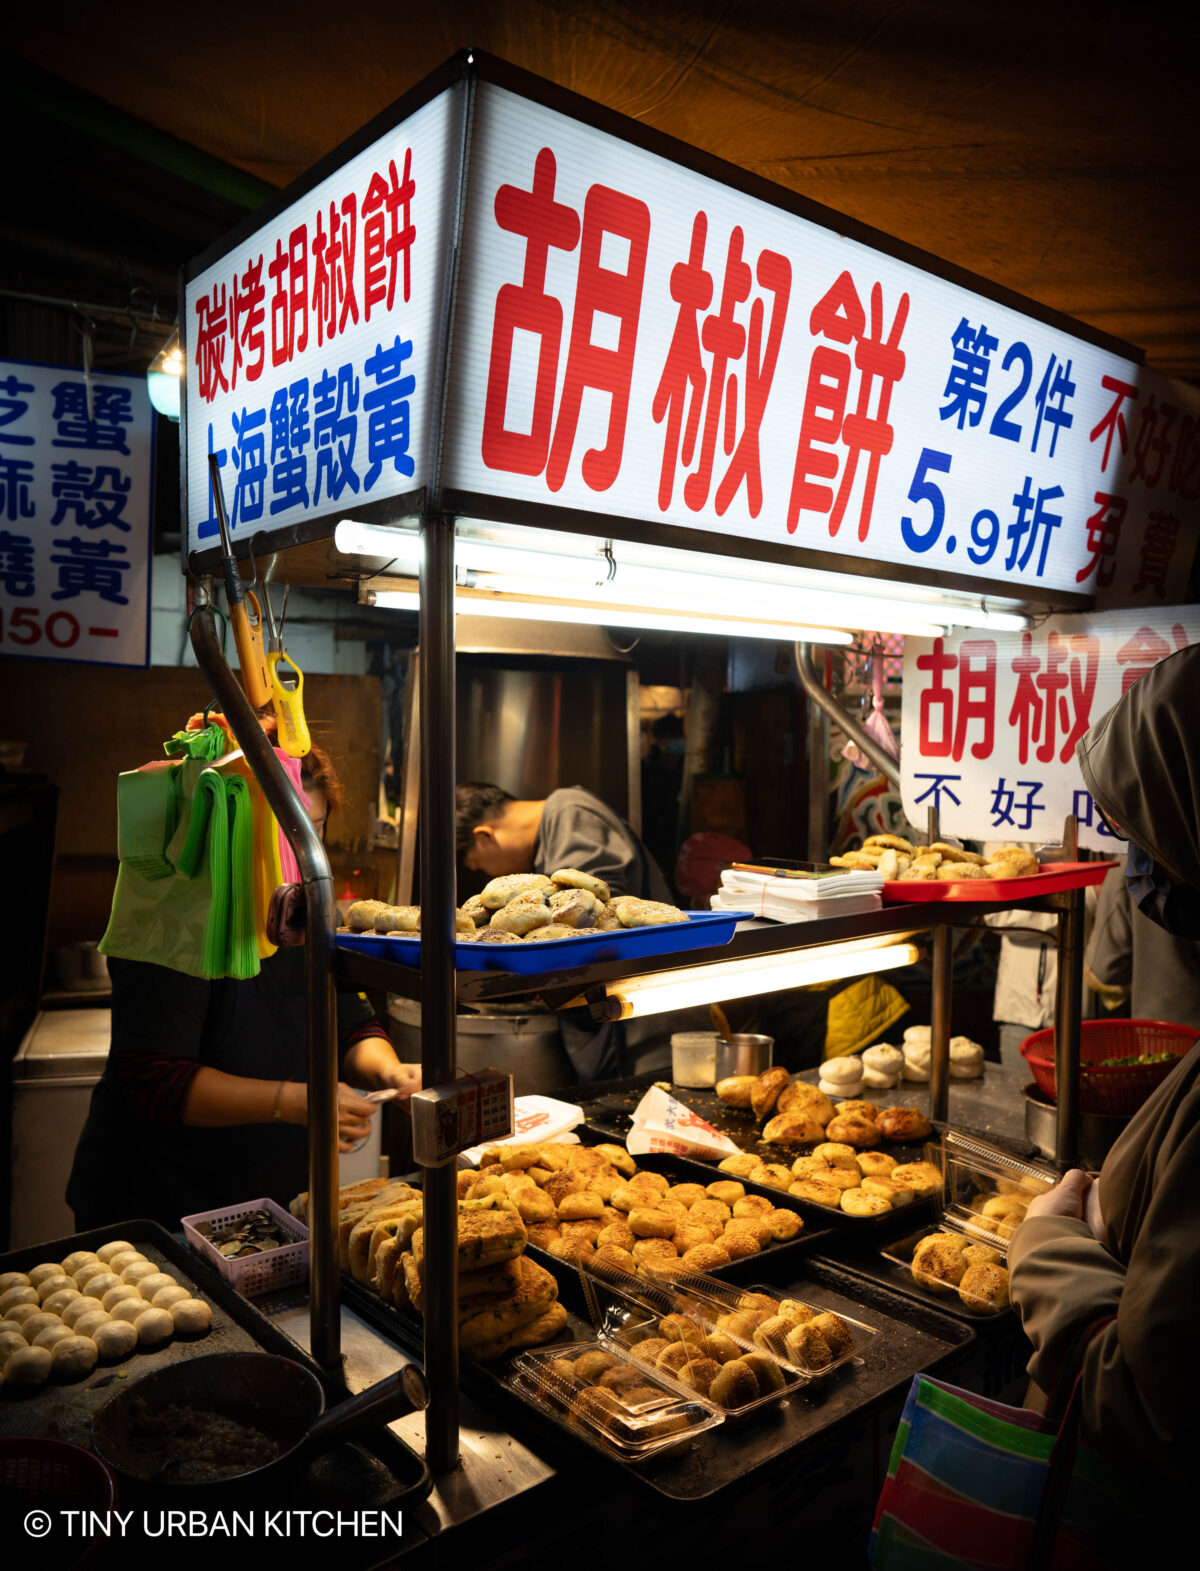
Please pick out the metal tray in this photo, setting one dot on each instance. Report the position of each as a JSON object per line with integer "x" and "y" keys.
{"x": 1052, "y": 880}
{"x": 912, "y": 1338}
{"x": 609, "y": 1116}
{"x": 702, "y": 930}
{"x": 375, "y": 1471}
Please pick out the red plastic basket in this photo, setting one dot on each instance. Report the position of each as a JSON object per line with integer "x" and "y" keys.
{"x": 53, "y": 1473}
{"x": 1105, "y": 1084}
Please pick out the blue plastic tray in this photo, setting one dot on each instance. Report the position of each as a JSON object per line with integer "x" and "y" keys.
{"x": 702, "y": 930}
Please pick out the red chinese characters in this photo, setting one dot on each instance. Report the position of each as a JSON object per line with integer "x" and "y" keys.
{"x": 827, "y": 421}
{"x": 355, "y": 255}
{"x": 1103, "y": 537}
{"x": 1145, "y": 649}
{"x": 959, "y": 710}
{"x": 612, "y": 264}
{"x": 1113, "y": 422}
{"x": 1054, "y": 697}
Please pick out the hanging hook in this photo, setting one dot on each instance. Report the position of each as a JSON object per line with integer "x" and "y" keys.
{"x": 611, "y": 560}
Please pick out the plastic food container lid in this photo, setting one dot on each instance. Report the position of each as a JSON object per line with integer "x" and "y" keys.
{"x": 616, "y": 1404}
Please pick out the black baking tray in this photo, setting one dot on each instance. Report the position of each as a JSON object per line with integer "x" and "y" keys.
{"x": 376, "y": 1471}
{"x": 817, "y": 1218}
{"x": 912, "y": 1337}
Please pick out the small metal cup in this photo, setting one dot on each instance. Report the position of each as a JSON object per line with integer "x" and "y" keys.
{"x": 745, "y": 1054}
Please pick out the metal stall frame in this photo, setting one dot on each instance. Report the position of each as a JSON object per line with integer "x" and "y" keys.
{"x": 436, "y": 506}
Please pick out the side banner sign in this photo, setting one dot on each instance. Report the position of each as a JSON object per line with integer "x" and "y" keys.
{"x": 76, "y": 503}
{"x": 989, "y": 724}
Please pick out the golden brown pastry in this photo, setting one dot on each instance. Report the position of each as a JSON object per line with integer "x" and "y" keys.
{"x": 699, "y": 1374}
{"x": 775, "y": 1175}
{"x": 984, "y": 1286}
{"x": 792, "y": 1309}
{"x": 712, "y": 1213}
{"x": 726, "y": 1190}
{"x": 861, "y": 1202}
{"x": 706, "y": 1257}
{"x": 938, "y": 1262}
{"x": 572, "y": 878}
{"x": 924, "y": 1177}
{"x": 836, "y": 1153}
{"x": 500, "y": 891}
{"x": 801, "y": 1096}
{"x": 576, "y": 908}
{"x": 835, "y": 1331}
{"x": 793, "y": 1129}
{"x": 887, "y": 1189}
{"x": 857, "y": 1109}
{"x": 952, "y": 853}
{"x": 766, "y": 1090}
{"x": 785, "y": 1225}
{"x": 771, "y": 1335}
{"x": 904, "y": 1123}
{"x": 735, "y": 1384}
{"x": 766, "y": 1372}
{"x": 740, "y": 1166}
{"x": 862, "y": 1133}
{"x": 953, "y": 872}
{"x": 522, "y": 914}
{"x": 875, "y": 1164}
{"x": 737, "y": 1090}
{"x": 806, "y": 1347}
{"x": 585, "y": 1207}
{"x": 758, "y": 1227}
{"x": 813, "y": 1189}
{"x": 647, "y": 1223}
{"x": 633, "y": 912}
{"x": 739, "y": 1243}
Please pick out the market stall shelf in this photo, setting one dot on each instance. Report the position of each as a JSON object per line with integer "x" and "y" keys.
{"x": 911, "y": 1337}
{"x": 379, "y": 1470}
{"x": 1055, "y": 878}
{"x": 703, "y": 930}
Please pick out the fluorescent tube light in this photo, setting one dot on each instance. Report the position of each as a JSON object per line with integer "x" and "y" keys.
{"x": 664, "y": 991}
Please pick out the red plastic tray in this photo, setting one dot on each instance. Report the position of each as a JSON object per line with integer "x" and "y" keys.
{"x": 1054, "y": 877}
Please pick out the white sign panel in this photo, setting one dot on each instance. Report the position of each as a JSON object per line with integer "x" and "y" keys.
{"x": 311, "y": 348}
{"x": 76, "y": 500}
{"x": 635, "y": 339}
{"x": 989, "y": 724}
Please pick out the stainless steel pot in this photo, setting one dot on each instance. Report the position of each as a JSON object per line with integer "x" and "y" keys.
{"x": 526, "y": 1045}
{"x": 744, "y": 1054}
{"x": 1097, "y": 1131}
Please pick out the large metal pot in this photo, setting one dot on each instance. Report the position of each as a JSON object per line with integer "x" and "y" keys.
{"x": 1098, "y": 1132}
{"x": 524, "y": 1044}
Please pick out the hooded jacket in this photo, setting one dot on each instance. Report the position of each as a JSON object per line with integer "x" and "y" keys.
{"x": 1139, "y": 1377}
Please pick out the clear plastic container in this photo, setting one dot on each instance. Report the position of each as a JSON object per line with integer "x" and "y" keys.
{"x": 754, "y": 1320}
{"x": 694, "y": 1058}
{"x": 619, "y": 1406}
{"x": 984, "y": 1195}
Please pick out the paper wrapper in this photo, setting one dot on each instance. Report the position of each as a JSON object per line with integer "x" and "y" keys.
{"x": 660, "y": 1123}
{"x": 535, "y": 1119}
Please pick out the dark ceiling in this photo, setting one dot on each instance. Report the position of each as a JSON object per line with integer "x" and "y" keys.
{"x": 1048, "y": 146}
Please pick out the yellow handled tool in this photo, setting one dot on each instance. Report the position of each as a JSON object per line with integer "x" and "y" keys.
{"x": 247, "y": 631}
{"x": 287, "y": 687}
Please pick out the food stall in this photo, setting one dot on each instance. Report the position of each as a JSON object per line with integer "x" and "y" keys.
{"x": 468, "y": 363}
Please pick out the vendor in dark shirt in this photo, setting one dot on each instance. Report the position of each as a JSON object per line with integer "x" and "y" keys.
{"x": 498, "y": 833}
{"x": 204, "y": 1100}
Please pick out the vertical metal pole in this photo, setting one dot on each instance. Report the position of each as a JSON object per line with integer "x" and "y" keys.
{"x": 1068, "y": 1014}
{"x": 284, "y": 800}
{"x": 939, "y": 1046}
{"x": 438, "y": 997}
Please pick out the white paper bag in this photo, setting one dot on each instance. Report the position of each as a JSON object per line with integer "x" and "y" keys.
{"x": 536, "y": 1120}
{"x": 660, "y": 1123}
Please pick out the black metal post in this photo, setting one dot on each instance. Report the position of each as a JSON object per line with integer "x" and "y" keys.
{"x": 939, "y": 1032}
{"x": 438, "y": 993}
{"x": 1068, "y": 1015}
{"x": 320, "y": 908}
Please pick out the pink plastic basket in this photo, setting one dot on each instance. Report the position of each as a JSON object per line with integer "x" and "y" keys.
{"x": 1106, "y": 1086}
{"x": 275, "y": 1268}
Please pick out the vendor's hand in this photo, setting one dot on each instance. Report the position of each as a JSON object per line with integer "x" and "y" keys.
{"x": 354, "y": 1115}
{"x": 1067, "y": 1198}
{"x": 404, "y": 1079}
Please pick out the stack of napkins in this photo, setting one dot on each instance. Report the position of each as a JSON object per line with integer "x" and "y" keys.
{"x": 800, "y": 897}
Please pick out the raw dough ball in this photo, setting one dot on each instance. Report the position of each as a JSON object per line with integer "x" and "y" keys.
{"x": 22, "y": 1312}
{"x": 10, "y": 1342}
{"x": 126, "y": 1257}
{"x": 138, "y": 1270}
{"x": 79, "y": 1307}
{"x": 87, "y": 1273}
{"x": 97, "y": 1286}
{"x": 843, "y": 1088}
{"x": 27, "y": 1369}
{"x": 166, "y": 1296}
{"x": 74, "y": 1357}
{"x": 129, "y": 1309}
{"x": 121, "y": 1294}
{"x": 41, "y": 1273}
{"x": 18, "y": 1295}
{"x": 95, "y": 1320}
{"x": 842, "y": 1071}
{"x": 115, "y": 1247}
{"x": 115, "y": 1339}
{"x": 37, "y": 1323}
{"x": 49, "y": 1285}
{"x": 81, "y": 1257}
{"x": 149, "y": 1285}
{"x": 57, "y": 1302}
{"x": 12, "y": 1279}
{"x": 191, "y": 1316}
{"x": 51, "y": 1335}
{"x": 11, "y": 1325}
{"x": 153, "y": 1326}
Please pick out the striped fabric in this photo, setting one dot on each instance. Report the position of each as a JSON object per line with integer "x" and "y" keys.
{"x": 965, "y": 1485}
